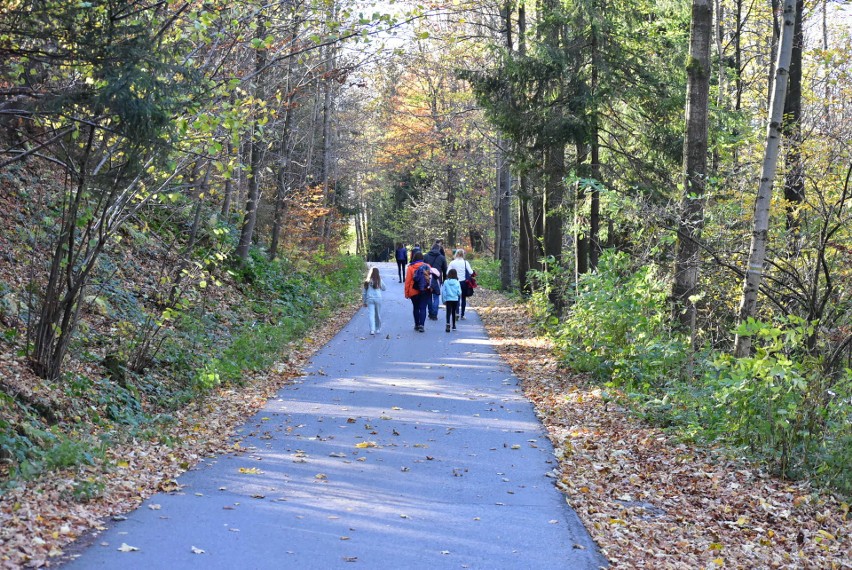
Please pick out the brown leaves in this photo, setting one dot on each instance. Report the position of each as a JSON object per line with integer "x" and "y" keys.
{"x": 651, "y": 502}
{"x": 39, "y": 518}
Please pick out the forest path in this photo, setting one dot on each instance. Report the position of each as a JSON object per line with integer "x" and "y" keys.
{"x": 403, "y": 450}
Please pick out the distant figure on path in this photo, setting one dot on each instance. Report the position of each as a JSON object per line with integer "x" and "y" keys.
{"x": 451, "y": 292}
{"x": 401, "y": 260}
{"x": 463, "y": 270}
{"x": 435, "y": 258}
{"x": 417, "y": 283}
{"x": 372, "y": 299}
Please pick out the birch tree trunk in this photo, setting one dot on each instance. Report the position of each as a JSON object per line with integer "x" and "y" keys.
{"x": 757, "y": 251}
{"x": 691, "y": 221}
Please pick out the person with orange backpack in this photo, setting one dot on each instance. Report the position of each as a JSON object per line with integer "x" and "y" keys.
{"x": 418, "y": 288}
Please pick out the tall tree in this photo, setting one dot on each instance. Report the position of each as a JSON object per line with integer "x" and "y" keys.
{"x": 694, "y": 171}
{"x": 794, "y": 178}
{"x": 760, "y": 232}
{"x": 256, "y": 145}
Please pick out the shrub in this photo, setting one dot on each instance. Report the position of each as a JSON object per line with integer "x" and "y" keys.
{"x": 618, "y": 328}
{"x": 781, "y": 404}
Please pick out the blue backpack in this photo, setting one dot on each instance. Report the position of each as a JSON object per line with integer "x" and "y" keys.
{"x": 421, "y": 277}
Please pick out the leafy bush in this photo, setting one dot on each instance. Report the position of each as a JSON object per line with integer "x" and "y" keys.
{"x": 618, "y": 328}
{"x": 286, "y": 299}
{"x": 487, "y": 272}
{"x": 781, "y": 404}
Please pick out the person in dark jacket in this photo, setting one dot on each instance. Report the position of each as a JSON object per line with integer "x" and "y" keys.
{"x": 401, "y": 260}
{"x": 436, "y": 260}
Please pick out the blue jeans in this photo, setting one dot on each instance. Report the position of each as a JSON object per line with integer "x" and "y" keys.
{"x": 434, "y": 303}
{"x": 374, "y": 310}
{"x": 419, "y": 303}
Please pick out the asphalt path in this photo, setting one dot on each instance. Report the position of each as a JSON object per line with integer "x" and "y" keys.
{"x": 400, "y": 450}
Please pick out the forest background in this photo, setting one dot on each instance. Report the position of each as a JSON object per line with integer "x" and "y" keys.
{"x": 187, "y": 186}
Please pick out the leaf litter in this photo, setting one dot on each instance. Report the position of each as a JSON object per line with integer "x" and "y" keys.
{"x": 650, "y": 501}
{"x": 40, "y": 517}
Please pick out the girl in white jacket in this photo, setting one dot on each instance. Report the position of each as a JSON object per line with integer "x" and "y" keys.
{"x": 372, "y": 299}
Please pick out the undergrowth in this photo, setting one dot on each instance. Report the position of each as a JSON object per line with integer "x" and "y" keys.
{"x": 780, "y": 405}
{"x": 273, "y": 304}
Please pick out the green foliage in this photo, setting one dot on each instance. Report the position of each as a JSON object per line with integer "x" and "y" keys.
{"x": 781, "y": 404}
{"x": 487, "y": 272}
{"x": 618, "y": 328}
{"x": 286, "y": 299}
{"x": 35, "y": 449}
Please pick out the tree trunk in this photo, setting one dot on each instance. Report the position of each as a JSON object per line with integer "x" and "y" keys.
{"x": 594, "y": 141}
{"x": 284, "y": 176}
{"x": 505, "y": 216}
{"x": 794, "y": 180}
{"x": 757, "y": 251}
{"x": 229, "y": 182}
{"x": 256, "y": 151}
{"x": 691, "y": 222}
{"x": 595, "y": 206}
{"x": 527, "y": 245}
{"x": 327, "y": 119}
{"x": 554, "y": 171}
{"x": 581, "y": 239}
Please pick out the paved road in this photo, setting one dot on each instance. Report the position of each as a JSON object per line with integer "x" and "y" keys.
{"x": 404, "y": 450}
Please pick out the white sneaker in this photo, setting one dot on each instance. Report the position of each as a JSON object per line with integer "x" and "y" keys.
{"x": 372, "y": 332}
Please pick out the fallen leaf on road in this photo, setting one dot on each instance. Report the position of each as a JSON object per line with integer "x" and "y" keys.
{"x": 126, "y": 548}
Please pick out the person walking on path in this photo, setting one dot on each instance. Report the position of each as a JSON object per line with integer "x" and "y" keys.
{"x": 401, "y": 260}
{"x": 372, "y": 299}
{"x": 436, "y": 259}
{"x": 421, "y": 296}
{"x": 435, "y": 299}
{"x": 463, "y": 270}
{"x": 451, "y": 292}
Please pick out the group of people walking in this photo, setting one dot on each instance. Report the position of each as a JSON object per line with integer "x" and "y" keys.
{"x": 428, "y": 278}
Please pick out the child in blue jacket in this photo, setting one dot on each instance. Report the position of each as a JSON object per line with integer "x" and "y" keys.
{"x": 451, "y": 292}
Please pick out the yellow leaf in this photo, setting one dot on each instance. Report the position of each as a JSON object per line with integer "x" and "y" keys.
{"x": 365, "y": 444}
{"x": 825, "y": 534}
{"x": 123, "y": 464}
{"x": 250, "y": 470}
{"x": 719, "y": 561}
{"x": 716, "y": 546}
{"x": 321, "y": 476}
